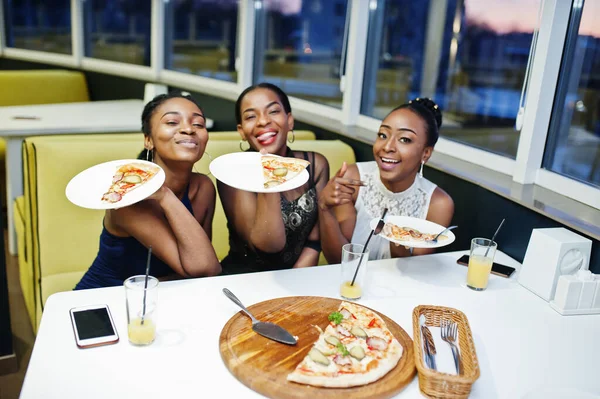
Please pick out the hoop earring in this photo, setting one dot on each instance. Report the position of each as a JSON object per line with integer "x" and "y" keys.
{"x": 421, "y": 171}
{"x": 293, "y": 136}
{"x": 241, "y": 148}
{"x": 148, "y": 157}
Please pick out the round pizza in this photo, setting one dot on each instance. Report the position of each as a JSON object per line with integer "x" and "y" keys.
{"x": 356, "y": 348}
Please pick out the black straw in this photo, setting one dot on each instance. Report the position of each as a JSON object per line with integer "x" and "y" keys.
{"x": 146, "y": 283}
{"x": 493, "y": 237}
{"x": 366, "y": 246}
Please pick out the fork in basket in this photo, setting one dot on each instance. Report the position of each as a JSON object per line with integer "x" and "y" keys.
{"x": 449, "y": 330}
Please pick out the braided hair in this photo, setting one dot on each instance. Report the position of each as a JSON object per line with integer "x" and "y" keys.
{"x": 431, "y": 114}
{"x": 285, "y": 101}
{"x": 152, "y": 106}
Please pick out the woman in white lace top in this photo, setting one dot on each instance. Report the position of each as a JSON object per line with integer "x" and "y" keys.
{"x": 394, "y": 180}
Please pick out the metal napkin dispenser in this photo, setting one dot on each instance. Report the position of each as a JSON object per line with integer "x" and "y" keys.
{"x": 551, "y": 253}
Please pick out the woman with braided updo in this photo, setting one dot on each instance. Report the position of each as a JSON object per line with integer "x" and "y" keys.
{"x": 394, "y": 180}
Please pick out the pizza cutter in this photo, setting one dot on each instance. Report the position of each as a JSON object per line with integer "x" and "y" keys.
{"x": 269, "y": 330}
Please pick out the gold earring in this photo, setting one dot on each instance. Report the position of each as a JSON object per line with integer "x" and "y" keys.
{"x": 241, "y": 148}
{"x": 293, "y": 136}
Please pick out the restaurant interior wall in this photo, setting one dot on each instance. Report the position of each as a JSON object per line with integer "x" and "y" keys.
{"x": 477, "y": 210}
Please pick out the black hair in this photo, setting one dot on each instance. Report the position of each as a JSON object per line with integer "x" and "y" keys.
{"x": 151, "y": 107}
{"x": 156, "y": 102}
{"x": 285, "y": 101}
{"x": 431, "y": 114}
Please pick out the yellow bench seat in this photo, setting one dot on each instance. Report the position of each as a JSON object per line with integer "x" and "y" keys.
{"x": 58, "y": 241}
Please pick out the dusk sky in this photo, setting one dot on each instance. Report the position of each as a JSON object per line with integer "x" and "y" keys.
{"x": 521, "y": 15}
{"x": 502, "y": 15}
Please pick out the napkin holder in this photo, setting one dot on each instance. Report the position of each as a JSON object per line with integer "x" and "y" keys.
{"x": 552, "y": 253}
{"x": 577, "y": 294}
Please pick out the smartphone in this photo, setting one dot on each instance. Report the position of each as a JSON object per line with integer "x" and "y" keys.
{"x": 93, "y": 326}
{"x": 497, "y": 269}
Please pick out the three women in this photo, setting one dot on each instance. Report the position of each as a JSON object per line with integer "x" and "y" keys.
{"x": 267, "y": 230}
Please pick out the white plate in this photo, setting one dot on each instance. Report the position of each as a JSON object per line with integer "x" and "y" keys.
{"x": 243, "y": 170}
{"x": 424, "y": 226}
{"x": 86, "y": 189}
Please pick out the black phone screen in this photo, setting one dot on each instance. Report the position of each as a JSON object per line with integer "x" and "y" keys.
{"x": 498, "y": 269}
{"x": 93, "y": 323}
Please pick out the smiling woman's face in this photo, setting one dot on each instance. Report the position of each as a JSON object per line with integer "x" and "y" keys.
{"x": 178, "y": 131}
{"x": 265, "y": 123}
{"x": 400, "y": 147}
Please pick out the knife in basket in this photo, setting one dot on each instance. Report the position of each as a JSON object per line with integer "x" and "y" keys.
{"x": 428, "y": 343}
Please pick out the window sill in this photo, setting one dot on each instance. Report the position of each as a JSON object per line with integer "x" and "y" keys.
{"x": 573, "y": 214}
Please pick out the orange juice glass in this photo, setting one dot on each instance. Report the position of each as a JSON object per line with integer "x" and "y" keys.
{"x": 141, "y": 302}
{"x": 352, "y": 254}
{"x": 480, "y": 263}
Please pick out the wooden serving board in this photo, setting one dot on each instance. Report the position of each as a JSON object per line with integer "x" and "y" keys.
{"x": 263, "y": 364}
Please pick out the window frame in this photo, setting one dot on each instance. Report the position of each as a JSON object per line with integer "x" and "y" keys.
{"x": 2, "y": 39}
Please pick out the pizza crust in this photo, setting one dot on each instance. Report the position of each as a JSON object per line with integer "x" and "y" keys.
{"x": 352, "y": 380}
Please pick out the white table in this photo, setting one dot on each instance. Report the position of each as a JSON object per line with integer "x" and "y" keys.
{"x": 50, "y": 119}
{"x": 525, "y": 348}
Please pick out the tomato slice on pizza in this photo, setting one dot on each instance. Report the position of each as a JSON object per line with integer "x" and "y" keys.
{"x": 128, "y": 177}
{"x": 278, "y": 170}
{"x": 355, "y": 349}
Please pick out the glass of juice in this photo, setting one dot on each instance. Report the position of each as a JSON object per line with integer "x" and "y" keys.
{"x": 141, "y": 301}
{"x": 480, "y": 263}
{"x": 351, "y": 255}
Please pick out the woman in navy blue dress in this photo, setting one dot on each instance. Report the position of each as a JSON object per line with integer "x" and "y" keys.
{"x": 176, "y": 220}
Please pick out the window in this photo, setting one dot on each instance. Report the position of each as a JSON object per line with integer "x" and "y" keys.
{"x": 201, "y": 38}
{"x": 43, "y": 25}
{"x": 573, "y": 146}
{"x": 118, "y": 30}
{"x": 298, "y": 46}
{"x": 470, "y": 56}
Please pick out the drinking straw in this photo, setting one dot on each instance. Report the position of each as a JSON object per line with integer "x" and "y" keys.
{"x": 492, "y": 240}
{"x": 146, "y": 283}
{"x": 367, "y": 244}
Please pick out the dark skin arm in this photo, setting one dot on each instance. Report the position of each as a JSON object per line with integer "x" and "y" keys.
{"x": 337, "y": 215}
{"x": 178, "y": 238}
{"x": 309, "y": 256}
{"x": 255, "y": 217}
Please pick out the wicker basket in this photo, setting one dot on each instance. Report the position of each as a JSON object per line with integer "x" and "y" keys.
{"x": 434, "y": 384}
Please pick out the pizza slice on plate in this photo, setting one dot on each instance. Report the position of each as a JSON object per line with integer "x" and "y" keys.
{"x": 128, "y": 177}
{"x": 356, "y": 348}
{"x": 408, "y": 234}
{"x": 278, "y": 170}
